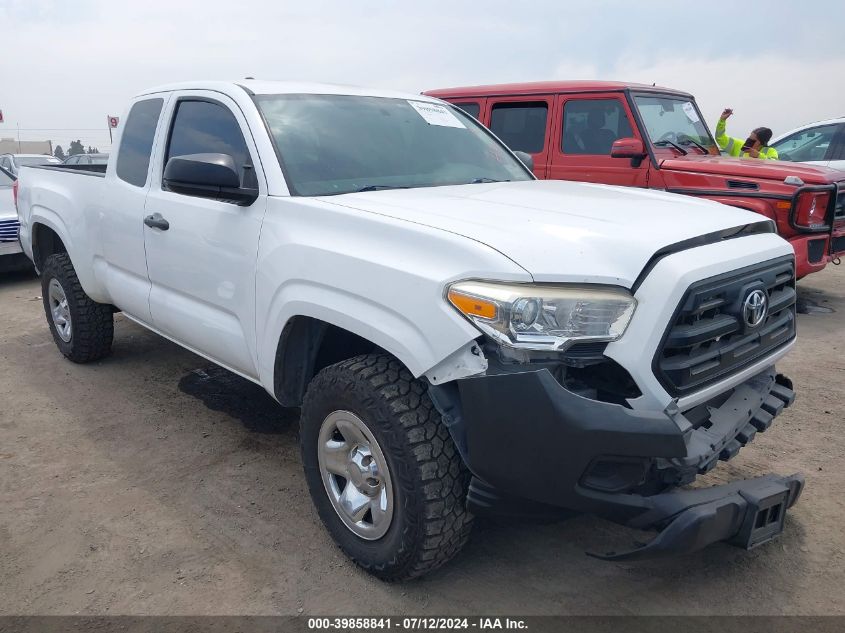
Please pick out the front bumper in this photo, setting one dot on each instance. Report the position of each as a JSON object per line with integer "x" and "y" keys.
{"x": 10, "y": 248}
{"x": 524, "y": 436}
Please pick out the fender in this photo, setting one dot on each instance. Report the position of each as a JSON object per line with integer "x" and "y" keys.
{"x": 382, "y": 326}
{"x": 763, "y": 207}
{"x": 87, "y": 274}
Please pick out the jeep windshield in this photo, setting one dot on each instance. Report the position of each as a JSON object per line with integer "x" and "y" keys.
{"x": 335, "y": 144}
{"x": 675, "y": 123}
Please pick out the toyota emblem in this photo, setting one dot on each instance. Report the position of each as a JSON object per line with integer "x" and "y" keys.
{"x": 754, "y": 308}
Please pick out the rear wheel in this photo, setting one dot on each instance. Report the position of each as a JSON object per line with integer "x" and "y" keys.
{"x": 382, "y": 469}
{"x": 82, "y": 328}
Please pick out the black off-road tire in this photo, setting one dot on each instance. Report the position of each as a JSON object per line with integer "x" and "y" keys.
{"x": 92, "y": 323}
{"x": 430, "y": 522}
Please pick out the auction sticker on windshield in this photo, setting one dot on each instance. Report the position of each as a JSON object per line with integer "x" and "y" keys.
{"x": 435, "y": 114}
{"x": 689, "y": 110}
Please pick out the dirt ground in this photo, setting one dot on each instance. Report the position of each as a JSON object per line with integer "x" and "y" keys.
{"x": 154, "y": 483}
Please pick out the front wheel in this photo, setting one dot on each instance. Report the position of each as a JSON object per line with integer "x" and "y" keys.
{"x": 382, "y": 469}
{"x": 82, "y": 328}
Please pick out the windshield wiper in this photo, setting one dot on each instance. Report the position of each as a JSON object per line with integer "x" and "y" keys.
{"x": 689, "y": 141}
{"x": 478, "y": 181}
{"x": 675, "y": 145}
{"x": 379, "y": 188}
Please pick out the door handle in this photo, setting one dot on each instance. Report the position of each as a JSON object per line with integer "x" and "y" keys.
{"x": 155, "y": 221}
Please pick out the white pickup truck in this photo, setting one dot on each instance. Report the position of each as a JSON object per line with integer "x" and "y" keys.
{"x": 462, "y": 338}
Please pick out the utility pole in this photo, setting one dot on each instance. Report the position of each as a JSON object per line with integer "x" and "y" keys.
{"x": 19, "y": 138}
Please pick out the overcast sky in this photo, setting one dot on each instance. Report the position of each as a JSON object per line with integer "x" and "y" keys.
{"x": 69, "y": 63}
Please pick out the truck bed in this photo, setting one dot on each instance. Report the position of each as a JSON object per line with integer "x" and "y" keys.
{"x": 87, "y": 170}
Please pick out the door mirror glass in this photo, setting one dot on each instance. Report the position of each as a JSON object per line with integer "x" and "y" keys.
{"x": 526, "y": 159}
{"x": 627, "y": 148}
{"x": 210, "y": 175}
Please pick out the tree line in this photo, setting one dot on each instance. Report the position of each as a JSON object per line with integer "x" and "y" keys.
{"x": 75, "y": 147}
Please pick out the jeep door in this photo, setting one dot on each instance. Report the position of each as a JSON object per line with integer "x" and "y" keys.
{"x": 585, "y": 127}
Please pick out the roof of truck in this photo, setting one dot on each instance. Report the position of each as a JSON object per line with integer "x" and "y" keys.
{"x": 261, "y": 87}
{"x": 546, "y": 87}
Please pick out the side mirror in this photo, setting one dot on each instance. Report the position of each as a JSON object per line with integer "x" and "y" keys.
{"x": 207, "y": 176}
{"x": 526, "y": 159}
{"x": 627, "y": 148}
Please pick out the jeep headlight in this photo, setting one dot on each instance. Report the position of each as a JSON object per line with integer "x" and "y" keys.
{"x": 543, "y": 317}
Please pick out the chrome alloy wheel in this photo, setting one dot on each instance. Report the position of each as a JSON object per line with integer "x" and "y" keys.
{"x": 355, "y": 475}
{"x": 59, "y": 310}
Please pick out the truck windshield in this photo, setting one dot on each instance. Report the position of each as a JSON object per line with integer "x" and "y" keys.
{"x": 674, "y": 120}
{"x": 334, "y": 144}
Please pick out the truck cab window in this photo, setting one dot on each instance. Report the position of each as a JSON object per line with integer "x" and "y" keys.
{"x": 133, "y": 157}
{"x": 521, "y": 125}
{"x": 590, "y": 126}
{"x": 471, "y": 108}
{"x": 201, "y": 127}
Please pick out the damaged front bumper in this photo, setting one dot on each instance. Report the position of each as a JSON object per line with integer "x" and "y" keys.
{"x": 530, "y": 442}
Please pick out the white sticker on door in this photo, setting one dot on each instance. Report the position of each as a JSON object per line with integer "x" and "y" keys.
{"x": 689, "y": 110}
{"x": 436, "y": 114}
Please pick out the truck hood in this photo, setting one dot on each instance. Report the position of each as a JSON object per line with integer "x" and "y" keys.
{"x": 753, "y": 168}
{"x": 558, "y": 230}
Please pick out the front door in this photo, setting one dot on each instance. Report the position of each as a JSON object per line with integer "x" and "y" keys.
{"x": 585, "y": 128}
{"x": 202, "y": 267}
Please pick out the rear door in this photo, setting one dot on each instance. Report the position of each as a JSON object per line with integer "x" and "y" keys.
{"x": 121, "y": 228}
{"x": 586, "y": 126}
{"x": 523, "y": 124}
{"x": 202, "y": 268}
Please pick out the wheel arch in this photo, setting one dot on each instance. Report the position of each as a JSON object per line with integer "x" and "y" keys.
{"x": 46, "y": 241}
{"x": 307, "y": 345}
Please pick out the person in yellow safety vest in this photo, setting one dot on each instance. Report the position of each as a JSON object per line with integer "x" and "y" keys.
{"x": 753, "y": 147}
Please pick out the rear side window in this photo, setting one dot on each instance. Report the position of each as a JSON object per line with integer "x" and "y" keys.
{"x": 201, "y": 127}
{"x": 133, "y": 157}
{"x": 472, "y": 109}
{"x": 521, "y": 126}
{"x": 591, "y": 125}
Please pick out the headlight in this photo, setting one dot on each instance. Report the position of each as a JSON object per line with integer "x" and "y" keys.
{"x": 543, "y": 317}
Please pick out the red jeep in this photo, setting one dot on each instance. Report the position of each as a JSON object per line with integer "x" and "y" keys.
{"x": 646, "y": 136}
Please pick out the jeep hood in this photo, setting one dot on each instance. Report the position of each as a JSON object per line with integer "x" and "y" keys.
{"x": 753, "y": 168}
{"x": 557, "y": 230}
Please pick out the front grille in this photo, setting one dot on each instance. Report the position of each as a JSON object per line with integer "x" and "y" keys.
{"x": 709, "y": 339}
{"x": 839, "y": 209}
{"x": 9, "y": 230}
{"x": 838, "y": 245}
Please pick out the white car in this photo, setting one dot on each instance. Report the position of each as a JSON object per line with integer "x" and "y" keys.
{"x": 13, "y": 162}
{"x": 11, "y": 254}
{"x": 819, "y": 143}
{"x": 462, "y": 338}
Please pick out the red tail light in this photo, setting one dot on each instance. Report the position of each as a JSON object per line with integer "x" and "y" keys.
{"x": 15, "y": 193}
{"x": 811, "y": 209}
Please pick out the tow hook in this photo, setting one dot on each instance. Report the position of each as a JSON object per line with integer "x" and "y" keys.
{"x": 836, "y": 261}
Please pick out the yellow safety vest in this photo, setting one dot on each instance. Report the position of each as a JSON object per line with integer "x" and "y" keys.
{"x": 733, "y": 146}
